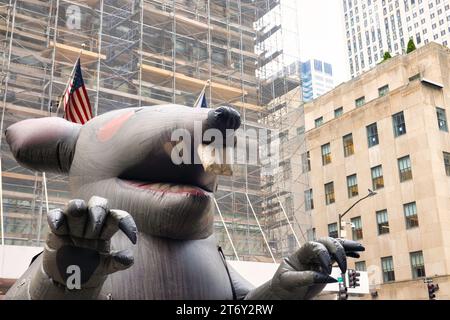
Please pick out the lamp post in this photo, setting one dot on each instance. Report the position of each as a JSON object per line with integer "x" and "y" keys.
{"x": 370, "y": 194}
{"x": 342, "y": 294}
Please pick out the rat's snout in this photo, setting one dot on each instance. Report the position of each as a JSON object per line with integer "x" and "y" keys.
{"x": 223, "y": 118}
{"x": 217, "y": 157}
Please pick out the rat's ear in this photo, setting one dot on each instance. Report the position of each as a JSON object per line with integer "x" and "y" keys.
{"x": 44, "y": 144}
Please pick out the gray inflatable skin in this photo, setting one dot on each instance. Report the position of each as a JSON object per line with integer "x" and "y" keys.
{"x": 141, "y": 227}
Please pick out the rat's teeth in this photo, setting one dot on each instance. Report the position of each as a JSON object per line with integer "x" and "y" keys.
{"x": 214, "y": 162}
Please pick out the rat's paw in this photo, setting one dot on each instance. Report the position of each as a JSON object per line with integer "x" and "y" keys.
{"x": 78, "y": 244}
{"x": 306, "y": 272}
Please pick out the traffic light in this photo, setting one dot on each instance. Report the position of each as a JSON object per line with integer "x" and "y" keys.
{"x": 432, "y": 288}
{"x": 353, "y": 278}
{"x": 342, "y": 295}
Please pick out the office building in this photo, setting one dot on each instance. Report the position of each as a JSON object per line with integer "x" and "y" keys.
{"x": 387, "y": 130}
{"x": 317, "y": 79}
{"x": 373, "y": 27}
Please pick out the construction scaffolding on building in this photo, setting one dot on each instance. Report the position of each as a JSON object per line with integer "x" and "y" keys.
{"x": 140, "y": 53}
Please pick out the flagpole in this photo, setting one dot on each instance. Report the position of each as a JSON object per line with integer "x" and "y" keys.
{"x": 208, "y": 83}
{"x": 70, "y": 78}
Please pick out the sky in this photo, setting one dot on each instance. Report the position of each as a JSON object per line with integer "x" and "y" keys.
{"x": 322, "y": 34}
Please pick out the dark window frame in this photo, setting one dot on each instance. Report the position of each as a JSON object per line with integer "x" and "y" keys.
{"x": 417, "y": 269}
{"x": 372, "y": 135}
{"x": 360, "y": 101}
{"x": 377, "y": 181}
{"x": 333, "y": 233}
{"x": 382, "y": 226}
{"x": 318, "y": 122}
{"x": 349, "y": 147}
{"x": 309, "y": 199}
{"x": 383, "y": 91}
{"x": 399, "y": 124}
{"x": 358, "y": 265}
{"x": 405, "y": 173}
{"x": 388, "y": 273}
{"x": 447, "y": 162}
{"x": 411, "y": 219}
{"x": 330, "y": 197}
{"x": 338, "y": 112}
{"x": 352, "y": 190}
{"x": 326, "y": 157}
{"x": 357, "y": 231}
{"x": 441, "y": 115}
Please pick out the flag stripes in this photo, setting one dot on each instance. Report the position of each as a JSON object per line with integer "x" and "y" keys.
{"x": 77, "y": 107}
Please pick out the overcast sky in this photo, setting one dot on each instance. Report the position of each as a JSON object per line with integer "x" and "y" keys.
{"x": 322, "y": 34}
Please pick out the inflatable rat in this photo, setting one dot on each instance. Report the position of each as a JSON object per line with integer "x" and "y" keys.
{"x": 128, "y": 188}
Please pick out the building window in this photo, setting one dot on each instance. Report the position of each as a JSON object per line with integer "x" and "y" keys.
{"x": 387, "y": 265}
{"x": 442, "y": 119}
{"x": 329, "y": 193}
{"x": 318, "y": 66}
{"x": 326, "y": 154}
{"x": 311, "y": 234}
{"x": 328, "y": 68}
{"x": 360, "y": 266}
{"x": 398, "y": 122}
{"x": 360, "y": 101}
{"x": 333, "y": 230}
{"x": 404, "y": 169}
{"x": 318, "y": 122}
{"x": 338, "y": 112}
{"x": 377, "y": 177}
{"x": 306, "y": 162}
{"x": 417, "y": 264}
{"x": 347, "y": 141}
{"x": 410, "y": 211}
{"x": 384, "y": 90}
{"x": 352, "y": 186}
{"x": 357, "y": 232}
{"x": 447, "y": 163}
{"x": 372, "y": 135}
{"x": 309, "y": 202}
{"x": 382, "y": 222}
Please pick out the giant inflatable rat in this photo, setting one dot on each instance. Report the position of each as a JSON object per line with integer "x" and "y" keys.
{"x": 124, "y": 178}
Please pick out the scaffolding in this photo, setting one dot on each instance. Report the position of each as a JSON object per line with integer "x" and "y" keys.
{"x": 147, "y": 52}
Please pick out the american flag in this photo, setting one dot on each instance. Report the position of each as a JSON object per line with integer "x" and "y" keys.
{"x": 77, "y": 107}
{"x": 201, "y": 100}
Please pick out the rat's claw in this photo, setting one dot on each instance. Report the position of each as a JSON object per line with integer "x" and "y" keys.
{"x": 350, "y": 245}
{"x": 118, "y": 261}
{"x": 128, "y": 226}
{"x": 57, "y": 222}
{"x": 76, "y": 214}
{"x": 292, "y": 279}
{"x": 336, "y": 251}
{"x": 97, "y": 212}
{"x": 353, "y": 254}
{"x": 119, "y": 219}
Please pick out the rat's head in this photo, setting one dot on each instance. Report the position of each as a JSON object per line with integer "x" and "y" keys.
{"x": 149, "y": 161}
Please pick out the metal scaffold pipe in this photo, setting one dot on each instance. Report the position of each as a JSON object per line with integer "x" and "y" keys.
{"x": 226, "y": 230}
{"x": 260, "y": 229}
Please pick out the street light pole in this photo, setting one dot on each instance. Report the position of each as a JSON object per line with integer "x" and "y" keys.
{"x": 370, "y": 194}
{"x": 343, "y": 286}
